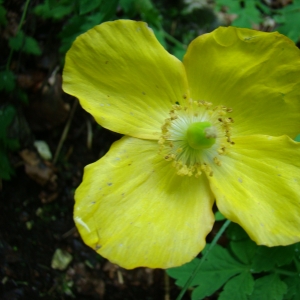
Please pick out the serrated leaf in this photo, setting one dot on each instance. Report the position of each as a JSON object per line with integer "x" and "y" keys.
{"x": 182, "y": 273}
{"x": 244, "y": 250}
{"x": 293, "y": 288}
{"x": 248, "y": 16}
{"x": 289, "y": 20}
{"x": 215, "y": 271}
{"x": 268, "y": 258}
{"x": 86, "y": 6}
{"x": 7, "y": 81}
{"x": 238, "y": 287}
{"x": 269, "y": 287}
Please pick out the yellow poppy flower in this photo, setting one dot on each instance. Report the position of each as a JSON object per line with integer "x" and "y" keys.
{"x": 217, "y": 126}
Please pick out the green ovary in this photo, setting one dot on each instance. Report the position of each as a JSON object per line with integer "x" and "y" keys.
{"x": 200, "y": 135}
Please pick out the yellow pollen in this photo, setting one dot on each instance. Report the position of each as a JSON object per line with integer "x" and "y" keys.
{"x": 195, "y": 137}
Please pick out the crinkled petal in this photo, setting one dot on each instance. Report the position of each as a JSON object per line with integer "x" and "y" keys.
{"x": 258, "y": 187}
{"x": 124, "y": 77}
{"x": 134, "y": 210}
{"x": 257, "y": 74}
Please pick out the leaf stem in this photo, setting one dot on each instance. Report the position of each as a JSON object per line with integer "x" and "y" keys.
{"x": 173, "y": 40}
{"x": 202, "y": 260}
{"x": 19, "y": 28}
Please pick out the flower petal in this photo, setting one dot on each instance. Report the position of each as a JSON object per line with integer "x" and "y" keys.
{"x": 134, "y": 210}
{"x": 257, "y": 186}
{"x": 257, "y": 74}
{"x": 124, "y": 77}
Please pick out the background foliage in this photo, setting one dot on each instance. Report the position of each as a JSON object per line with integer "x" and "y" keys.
{"x": 34, "y": 38}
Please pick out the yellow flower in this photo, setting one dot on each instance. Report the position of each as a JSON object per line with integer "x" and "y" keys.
{"x": 216, "y": 127}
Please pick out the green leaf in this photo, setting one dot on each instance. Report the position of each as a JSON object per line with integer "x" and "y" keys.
{"x": 31, "y": 46}
{"x": 70, "y": 31}
{"x": 159, "y": 34}
{"x": 5, "y": 169}
{"x": 54, "y": 9}
{"x": 238, "y": 287}
{"x": 248, "y": 16}
{"x": 293, "y": 288}
{"x": 7, "y": 81}
{"x": 148, "y": 12}
{"x": 24, "y": 43}
{"x": 179, "y": 52}
{"x": 244, "y": 250}
{"x": 269, "y": 287}
{"x": 86, "y": 6}
{"x": 215, "y": 271}
{"x": 297, "y": 252}
{"x": 267, "y": 258}
{"x": 297, "y": 138}
{"x": 218, "y": 215}
{"x": 17, "y": 41}
{"x": 233, "y": 6}
{"x": 81, "y": 23}
{"x": 129, "y": 7}
{"x": 289, "y": 20}
{"x": 3, "y": 20}
{"x": 108, "y": 9}
{"x": 248, "y": 13}
{"x": 236, "y": 232}
{"x": 6, "y": 117}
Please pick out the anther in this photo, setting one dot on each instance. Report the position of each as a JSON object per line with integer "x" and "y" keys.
{"x": 217, "y": 161}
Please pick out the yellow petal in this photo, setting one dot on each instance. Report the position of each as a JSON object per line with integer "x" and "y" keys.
{"x": 134, "y": 210}
{"x": 124, "y": 77}
{"x": 257, "y": 74}
{"x": 257, "y": 186}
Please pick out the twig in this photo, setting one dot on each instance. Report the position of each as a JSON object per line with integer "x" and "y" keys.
{"x": 19, "y": 28}
{"x": 65, "y": 132}
{"x": 167, "y": 287}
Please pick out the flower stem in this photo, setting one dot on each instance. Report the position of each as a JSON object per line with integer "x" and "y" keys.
{"x": 192, "y": 276}
{"x": 19, "y": 28}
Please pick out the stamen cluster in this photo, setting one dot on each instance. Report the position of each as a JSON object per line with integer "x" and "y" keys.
{"x": 174, "y": 145}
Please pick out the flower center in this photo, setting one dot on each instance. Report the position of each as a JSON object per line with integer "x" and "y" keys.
{"x": 196, "y": 136}
{"x": 201, "y": 135}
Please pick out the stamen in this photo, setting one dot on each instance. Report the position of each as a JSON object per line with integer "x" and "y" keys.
{"x": 196, "y": 136}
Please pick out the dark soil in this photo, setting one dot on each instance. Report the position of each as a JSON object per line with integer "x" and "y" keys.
{"x": 37, "y": 219}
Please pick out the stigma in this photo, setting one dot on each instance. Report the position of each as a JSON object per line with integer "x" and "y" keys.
{"x": 196, "y": 136}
